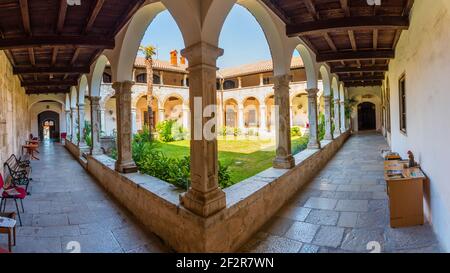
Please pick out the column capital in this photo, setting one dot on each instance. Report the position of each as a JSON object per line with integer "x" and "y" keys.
{"x": 281, "y": 80}
{"x": 80, "y": 105}
{"x": 120, "y": 86}
{"x": 95, "y": 100}
{"x": 202, "y": 54}
{"x": 312, "y": 92}
{"x": 327, "y": 97}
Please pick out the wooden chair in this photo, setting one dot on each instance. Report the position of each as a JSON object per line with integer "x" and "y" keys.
{"x": 10, "y": 231}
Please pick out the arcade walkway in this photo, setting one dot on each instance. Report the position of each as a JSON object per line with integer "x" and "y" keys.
{"x": 68, "y": 205}
{"x": 343, "y": 209}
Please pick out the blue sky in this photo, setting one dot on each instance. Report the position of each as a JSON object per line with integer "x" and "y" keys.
{"x": 242, "y": 38}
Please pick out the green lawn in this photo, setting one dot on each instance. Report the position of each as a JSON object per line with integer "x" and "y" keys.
{"x": 245, "y": 157}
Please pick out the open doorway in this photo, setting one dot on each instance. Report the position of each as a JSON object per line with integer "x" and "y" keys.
{"x": 366, "y": 116}
{"x": 48, "y": 124}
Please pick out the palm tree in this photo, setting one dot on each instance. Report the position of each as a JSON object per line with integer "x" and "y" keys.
{"x": 149, "y": 51}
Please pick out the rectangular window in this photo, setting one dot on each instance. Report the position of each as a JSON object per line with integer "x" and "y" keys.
{"x": 266, "y": 81}
{"x": 402, "y": 100}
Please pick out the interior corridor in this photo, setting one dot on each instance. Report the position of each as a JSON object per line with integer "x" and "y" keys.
{"x": 67, "y": 205}
{"x": 343, "y": 209}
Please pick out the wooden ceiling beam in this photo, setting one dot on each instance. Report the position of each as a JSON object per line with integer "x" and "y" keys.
{"x": 25, "y": 16}
{"x": 50, "y": 70}
{"x": 356, "y": 55}
{"x": 51, "y": 41}
{"x": 93, "y": 15}
{"x": 33, "y": 91}
{"x": 31, "y": 56}
{"x": 61, "y": 16}
{"x": 363, "y": 84}
{"x": 348, "y": 23}
{"x": 278, "y": 11}
{"x": 377, "y": 68}
{"x": 127, "y": 15}
{"x": 311, "y": 9}
{"x": 345, "y": 8}
{"x": 361, "y": 79}
{"x": 49, "y": 83}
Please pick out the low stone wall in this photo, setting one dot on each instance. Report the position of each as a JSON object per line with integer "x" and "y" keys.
{"x": 250, "y": 204}
{"x": 73, "y": 149}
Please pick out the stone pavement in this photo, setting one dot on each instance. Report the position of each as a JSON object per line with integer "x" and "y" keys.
{"x": 68, "y": 205}
{"x": 343, "y": 209}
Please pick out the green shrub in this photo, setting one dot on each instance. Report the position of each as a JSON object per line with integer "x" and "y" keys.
{"x": 178, "y": 132}
{"x": 296, "y": 131}
{"x": 237, "y": 132}
{"x": 165, "y": 130}
{"x": 88, "y": 133}
{"x": 321, "y": 126}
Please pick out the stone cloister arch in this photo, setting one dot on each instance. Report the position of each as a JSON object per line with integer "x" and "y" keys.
{"x": 231, "y": 113}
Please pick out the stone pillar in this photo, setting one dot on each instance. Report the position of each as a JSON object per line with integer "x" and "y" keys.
{"x": 185, "y": 80}
{"x": 161, "y": 77}
{"x": 204, "y": 196}
{"x": 241, "y": 123}
{"x": 73, "y": 127}
{"x": 96, "y": 125}
{"x": 186, "y": 115}
{"x": 239, "y": 82}
{"x": 314, "y": 142}
{"x": 263, "y": 118}
{"x": 124, "y": 162}
{"x": 102, "y": 121}
{"x": 81, "y": 114}
{"x": 261, "y": 79}
{"x": 161, "y": 116}
{"x": 343, "y": 119}
{"x": 328, "y": 126}
{"x": 284, "y": 158}
{"x": 133, "y": 121}
{"x": 337, "y": 117}
{"x": 68, "y": 123}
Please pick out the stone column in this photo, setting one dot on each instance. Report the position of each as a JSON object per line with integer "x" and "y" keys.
{"x": 161, "y": 116}
{"x": 96, "y": 125}
{"x": 124, "y": 162}
{"x": 186, "y": 115}
{"x": 263, "y": 118}
{"x": 261, "y": 79}
{"x": 284, "y": 158}
{"x": 81, "y": 114}
{"x": 68, "y": 124}
{"x": 241, "y": 123}
{"x": 73, "y": 127}
{"x": 185, "y": 80}
{"x": 239, "y": 82}
{"x": 102, "y": 121}
{"x": 161, "y": 77}
{"x": 314, "y": 142}
{"x": 337, "y": 118}
{"x": 133, "y": 121}
{"x": 328, "y": 127}
{"x": 343, "y": 119}
{"x": 204, "y": 196}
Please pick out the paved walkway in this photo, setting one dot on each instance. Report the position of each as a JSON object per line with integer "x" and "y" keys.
{"x": 343, "y": 209}
{"x": 68, "y": 205}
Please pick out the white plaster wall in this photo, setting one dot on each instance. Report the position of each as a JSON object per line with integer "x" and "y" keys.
{"x": 361, "y": 94}
{"x": 423, "y": 54}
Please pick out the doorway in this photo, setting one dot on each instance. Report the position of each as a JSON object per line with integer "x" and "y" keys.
{"x": 366, "y": 116}
{"x": 48, "y": 124}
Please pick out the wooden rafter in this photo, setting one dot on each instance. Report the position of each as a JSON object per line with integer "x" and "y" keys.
{"x": 375, "y": 68}
{"x": 348, "y": 23}
{"x": 61, "y": 16}
{"x": 356, "y": 55}
{"x": 93, "y": 15}
{"x": 25, "y": 16}
{"x": 51, "y": 70}
{"x": 51, "y": 41}
{"x": 277, "y": 10}
{"x": 49, "y": 83}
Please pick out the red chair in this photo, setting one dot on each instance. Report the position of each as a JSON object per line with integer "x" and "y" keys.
{"x": 11, "y": 192}
{"x": 2, "y": 251}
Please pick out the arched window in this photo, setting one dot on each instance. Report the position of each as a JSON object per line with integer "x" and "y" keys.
{"x": 229, "y": 84}
{"x": 156, "y": 79}
{"x": 141, "y": 78}
{"x": 107, "y": 78}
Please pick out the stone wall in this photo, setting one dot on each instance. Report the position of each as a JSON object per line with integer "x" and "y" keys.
{"x": 250, "y": 204}
{"x": 14, "y": 117}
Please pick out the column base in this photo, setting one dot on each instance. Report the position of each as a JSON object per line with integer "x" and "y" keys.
{"x": 328, "y": 137}
{"x": 337, "y": 133}
{"x": 126, "y": 167}
{"x": 84, "y": 148}
{"x": 96, "y": 152}
{"x": 314, "y": 145}
{"x": 204, "y": 204}
{"x": 284, "y": 162}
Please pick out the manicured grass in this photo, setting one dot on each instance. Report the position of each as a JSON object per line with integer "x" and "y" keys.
{"x": 245, "y": 157}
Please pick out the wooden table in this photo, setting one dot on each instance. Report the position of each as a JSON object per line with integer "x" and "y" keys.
{"x": 8, "y": 226}
{"x": 31, "y": 148}
{"x": 405, "y": 190}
